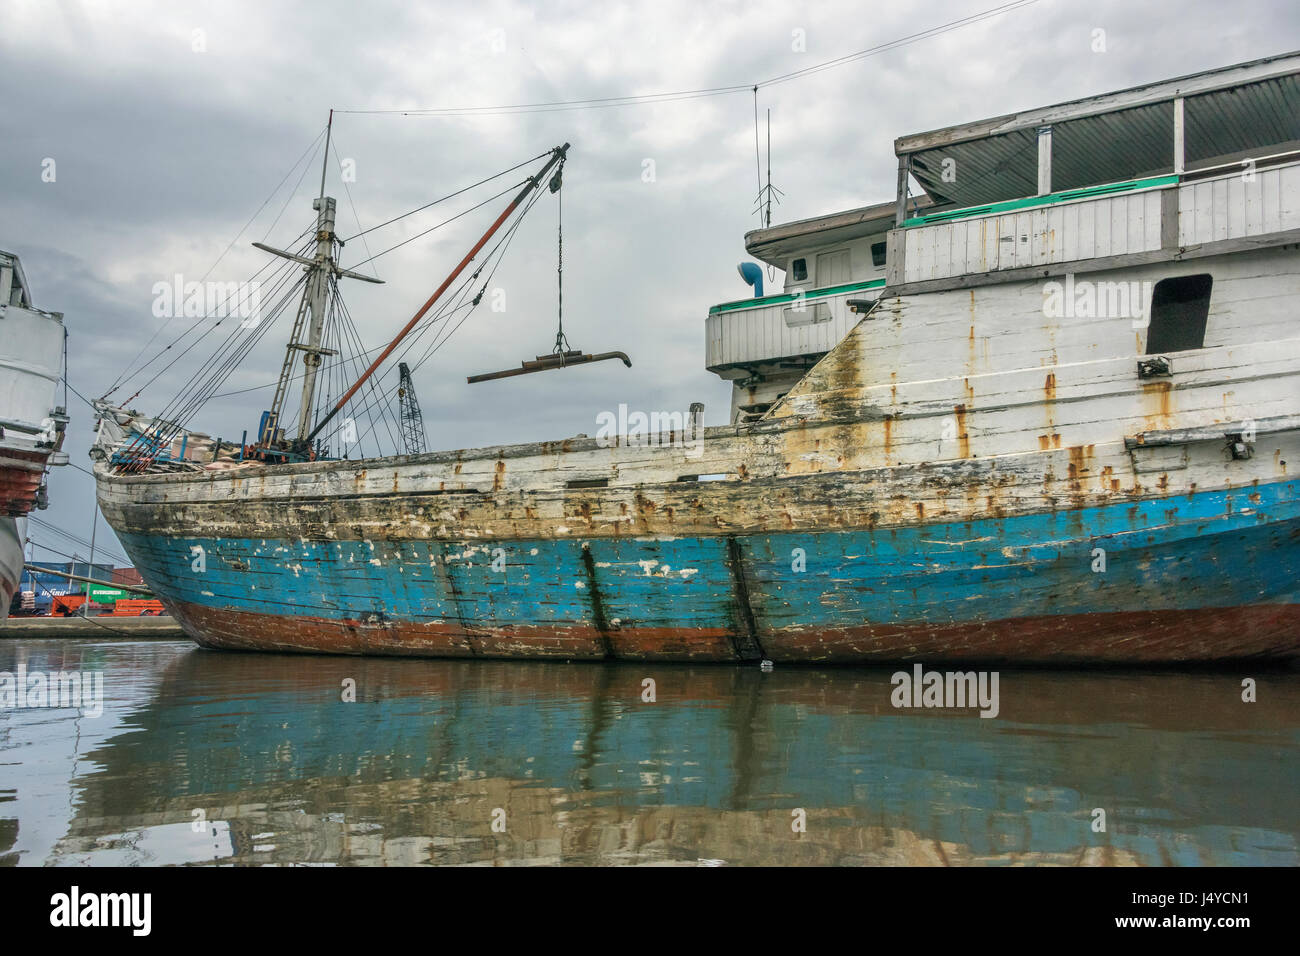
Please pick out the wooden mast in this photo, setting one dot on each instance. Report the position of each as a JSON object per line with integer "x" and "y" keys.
{"x": 311, "y": 312}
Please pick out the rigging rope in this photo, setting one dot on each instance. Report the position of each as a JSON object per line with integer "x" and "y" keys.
{"x": 503, "y": 245}
{"x": 193, "y": 328}
{"x": 372, "y": 404}
{"x": 123, "y": 377}
{"x": 458, "y": 192}
{"x": 498, "y": 251}
{"x": 132, "y": 373}
{"x": 439, "y": 225}
{"x": 186, "y": 404}
{"x": 668, "y": 97}
{"x": 284, "y": 270}
{"x": 348, "y": 189}
{"x": 561, "y": 341}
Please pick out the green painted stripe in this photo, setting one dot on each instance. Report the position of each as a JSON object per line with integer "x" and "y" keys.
{"x": 790, "y": 296}
{"x": 1049, "y": 199}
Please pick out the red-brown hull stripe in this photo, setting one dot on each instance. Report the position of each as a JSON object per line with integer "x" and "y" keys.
{"x": 1262, "y": 631}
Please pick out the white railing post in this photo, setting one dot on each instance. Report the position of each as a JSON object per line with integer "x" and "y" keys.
{"x": 1180, "y": 164}
{"x": 1044, "y": 160}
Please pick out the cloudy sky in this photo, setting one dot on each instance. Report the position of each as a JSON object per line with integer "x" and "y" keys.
{"x": 171, "y": 123}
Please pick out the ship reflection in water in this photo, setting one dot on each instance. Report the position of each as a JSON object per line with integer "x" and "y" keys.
{"x": 206, "y": 757}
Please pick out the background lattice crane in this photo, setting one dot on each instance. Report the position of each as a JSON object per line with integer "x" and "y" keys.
{"x": 412, "y": 421}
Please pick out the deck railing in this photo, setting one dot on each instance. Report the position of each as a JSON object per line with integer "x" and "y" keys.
{"x": 1236, "y": 201}
{"x": 788, "y": 325}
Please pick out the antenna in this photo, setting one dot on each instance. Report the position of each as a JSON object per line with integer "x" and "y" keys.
{"x": 766, "y": 193}
{"x": 769, "y": 166}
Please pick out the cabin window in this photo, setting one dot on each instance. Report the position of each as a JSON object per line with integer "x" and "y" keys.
{"x": 806, "y": 313}
{"x": 799, "y": 270}
{"x": 833, "y": 268}
{"x": 877, "y": 253}
{"x": 1179, "y": 308}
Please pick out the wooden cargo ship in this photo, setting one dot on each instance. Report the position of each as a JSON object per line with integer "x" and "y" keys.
{"x": 1047, "y": 410}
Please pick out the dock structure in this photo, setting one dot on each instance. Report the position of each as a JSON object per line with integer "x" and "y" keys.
{"x": 160, "y": 627}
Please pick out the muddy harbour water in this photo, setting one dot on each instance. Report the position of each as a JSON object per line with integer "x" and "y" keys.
{"x": 201, "y": 757}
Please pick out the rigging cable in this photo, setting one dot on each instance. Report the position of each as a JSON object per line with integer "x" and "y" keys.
{"x": 123, "y": 377}
{"x": 194, "y": 328}
{"x": 458, "y": 192}
{"x": 125, "y": 562}
{"x": 44, "y": 525}
{"x": 439, "y": 225}
{"x": 561, "y": 341}
{"x": 199, "y": 394}
{"x": 452, "y": 304}
{"x": 503, "y": 245}
{"x": 666, "y": 97}
{"x": 217, "y": 369}
{"x": 183, "y": 407}
{"x": 285, "y": 271}
{"x": 499, "y": 251}
{"x": 603, "y": 102}
{"x": 348, "y": 189}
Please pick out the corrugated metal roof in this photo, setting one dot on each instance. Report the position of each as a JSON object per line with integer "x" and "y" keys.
{"x": 1228, "y": 121}
{"x": 1131, "y": 139}
{"x": 987, "y": 170}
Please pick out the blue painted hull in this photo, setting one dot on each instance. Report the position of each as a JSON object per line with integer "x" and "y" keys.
{"x": 1203, "y": 576}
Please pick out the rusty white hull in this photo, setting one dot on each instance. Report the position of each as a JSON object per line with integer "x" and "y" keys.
{"x": 31, "y": 427}
{"x": 960, "y": 478}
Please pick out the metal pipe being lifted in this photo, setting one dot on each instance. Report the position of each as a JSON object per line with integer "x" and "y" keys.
{"x": 554, "y": 360}
{"x": 557, "y": 155}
